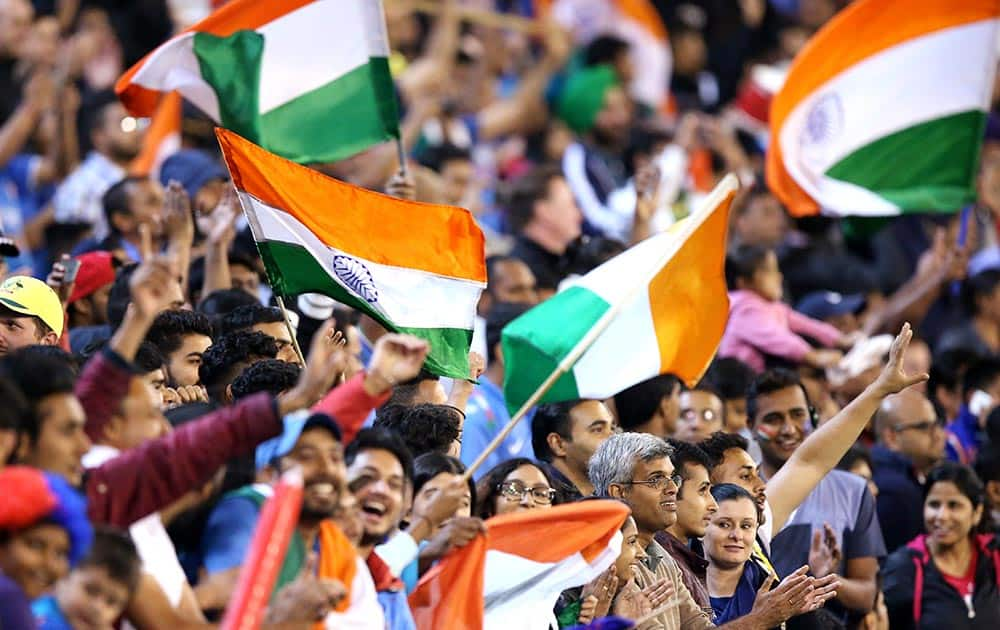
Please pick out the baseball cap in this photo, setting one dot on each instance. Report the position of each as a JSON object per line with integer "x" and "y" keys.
{"x": 32, "y": 297}
{"x": 824, "y": 304}
{"x": 294, "y": 425}
{"x": 97, "y": 269}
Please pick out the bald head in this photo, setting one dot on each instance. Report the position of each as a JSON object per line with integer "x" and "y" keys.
{"x": 907, "y": 423}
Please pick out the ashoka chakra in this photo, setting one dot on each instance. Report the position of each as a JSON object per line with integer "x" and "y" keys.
{"x": 356, "y": 276}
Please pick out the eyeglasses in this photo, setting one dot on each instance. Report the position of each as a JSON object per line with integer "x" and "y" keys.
{"x": 923, "y": 427}
{"x": 658, "y": 483}
{"x": 516, "y": 491}
{"x": 706, "y": 415}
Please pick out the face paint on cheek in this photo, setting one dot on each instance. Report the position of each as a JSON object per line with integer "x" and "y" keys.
{"x": 766, "y": 433}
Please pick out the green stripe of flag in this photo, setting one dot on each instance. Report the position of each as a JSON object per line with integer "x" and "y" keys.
{"x": 535, "y": 343}
{"x": 337, "y": 120}
{"x": 293, "y": 270}
{"x": 930, "y": 166}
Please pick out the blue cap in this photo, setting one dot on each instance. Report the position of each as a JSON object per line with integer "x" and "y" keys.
{"x": 295, "y": 424}
{"x": 823, "y": 304}
{"x": 193, "y": 168}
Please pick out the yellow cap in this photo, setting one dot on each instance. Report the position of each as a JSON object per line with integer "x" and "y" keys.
{"x": 30, "y": 296}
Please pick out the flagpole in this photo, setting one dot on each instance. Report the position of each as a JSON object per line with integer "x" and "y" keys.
{"x": 401, "y": 156}
{"x": 729, "y": 184}
{"x": 291, "y": 331}
{"x": 258, "y": 235}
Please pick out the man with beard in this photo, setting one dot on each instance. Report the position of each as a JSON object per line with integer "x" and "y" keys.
{"x": 380, "y": 474}
{"x": 117, "y": 139}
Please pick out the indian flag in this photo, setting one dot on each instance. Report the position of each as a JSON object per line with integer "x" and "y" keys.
{"x": 306, "y": 79}
{"x": 661, "y": 306}
{"x": 414, "y": 267}
{"x": 884, "y": 110}
{"x": 512, "y": 576}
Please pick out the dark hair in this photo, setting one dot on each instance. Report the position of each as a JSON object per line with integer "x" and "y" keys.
{"x": 768, "y": 382}
{"x": 170, "y": 327}
{"x": 229, "y": 355}
{"x": 437, "y": 156}
{"x": 730, "y": 378}
{"x": 501, "y": 314}
{"x": 855, "y": 454}
{"x": 377, "y": 438}
{"x": 224, "y": 301}
{"x": 993, "y": 427}
{"x": 120, "y": 295}
{"x": 424, "y": 428}
{"x": 551, "y": 418}
{"x": 686, "y": 454}
{"x": 947, "y": 370}
{"x": 637, "y": 404}
{"x": 148, "y": 358}
{"x": 962, "y": 476}
{"x": 430, "y": 465}
{"x": 55, "y": 352}
{"x": 587, "y": 253}
{"x": 743, "y": 262}
{"x": 492, "y": 268}
{"x": 977, "y": 286}
{"x": 270, "y": 375}
{"x": 980, "y": 375}
{"x": 114, "y": 551}
{"x": 115, "y": 200}
{"x": 723, "y": 492}
{"x": 247, "y": 316}
{"x": 604, "y": 49}
{"x": 988, "y": 464}
{"x": 525, "y": 191}
{"x": 405, "y": 393}
{"x": 488, "y": 486}
{"x": 36, "y": 376}
{"x": 716, "y": 445}
{"x": 16, "y": 414}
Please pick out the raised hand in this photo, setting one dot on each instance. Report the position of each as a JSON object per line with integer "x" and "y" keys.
{"x": 56, "y": 280}
{"x": 151, "y": 286}
{"x": 894, "y": 378}
{"x": 631, "y": 602}
{"x": 402, "y": 186}
{"x": 777, "y": 606}
{"x": 325, "y": 363}
{"x": 445, "y": 503}
{"x": 603, "y": 589}
{"x": 588, "y": 610}
{"x": 308, "y": 598}
{"x": 457, "y": 532}
{"x": 178, "y": 224}
{"x": 824, "y": 553}
{"x": 396, "y": 358}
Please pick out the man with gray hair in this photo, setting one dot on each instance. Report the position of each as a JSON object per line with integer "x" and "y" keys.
{"x": 636, "y": 469}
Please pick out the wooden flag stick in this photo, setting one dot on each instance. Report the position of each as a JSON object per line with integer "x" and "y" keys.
{"x": 729, "y": 184}
{"x": 291, "y": 330}
{"x": 476, "y": 16}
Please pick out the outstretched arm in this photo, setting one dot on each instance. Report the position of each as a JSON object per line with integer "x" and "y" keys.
{"x": 821, "y": 451}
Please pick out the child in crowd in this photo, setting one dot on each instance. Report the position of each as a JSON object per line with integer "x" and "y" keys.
{"x": 96, "y": 592}
{"x": 761, "y": 325}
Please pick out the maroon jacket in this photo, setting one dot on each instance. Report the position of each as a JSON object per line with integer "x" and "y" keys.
{"x": 150, "y": 477}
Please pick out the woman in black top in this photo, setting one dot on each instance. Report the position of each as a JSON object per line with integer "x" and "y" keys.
{"x": 948, "y": 577}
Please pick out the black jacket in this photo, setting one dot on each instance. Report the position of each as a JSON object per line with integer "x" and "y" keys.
{"x": 909, "y": 590}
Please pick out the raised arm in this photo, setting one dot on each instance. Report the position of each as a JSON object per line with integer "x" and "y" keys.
{"x": 821, "y": 451}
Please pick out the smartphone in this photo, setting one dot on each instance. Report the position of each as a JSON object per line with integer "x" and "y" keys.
{"x": 72, "y": 268}
{"x": 980, "y": 402}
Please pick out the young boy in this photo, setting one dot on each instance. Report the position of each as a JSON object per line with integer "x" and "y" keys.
{"x": 96, "y": 592}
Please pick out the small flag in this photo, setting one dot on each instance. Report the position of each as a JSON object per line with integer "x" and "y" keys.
{"x": 414, "y": 267}
{"x": 163, "y": 138}
{"x": 512, "y": 576}
{"x": 883, "y": 111}
{"x": 635, "y": 21}
{"x": 671, "y": 292}
{"x": 306, "y": 79}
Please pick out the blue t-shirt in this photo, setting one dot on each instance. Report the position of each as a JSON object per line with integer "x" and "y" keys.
{"x": 485, "y": 416}
{"x": 228, "y": 533}
{"x": 20, "y": 201}
{"x": 47, "y": 614}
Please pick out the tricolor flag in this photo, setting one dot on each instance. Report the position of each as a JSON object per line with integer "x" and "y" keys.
{"x": 511, "y": 576}
{"x": 635, "y": 21}
{"x": 414, "y": 267}
{"x": 306, "y": 79}
{"x": 884, "y": 110}
{"x": 662, "y": 305}
{"x": 163, "y": 138}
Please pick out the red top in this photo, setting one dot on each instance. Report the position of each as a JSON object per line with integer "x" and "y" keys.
{"x": 965, "y": 584}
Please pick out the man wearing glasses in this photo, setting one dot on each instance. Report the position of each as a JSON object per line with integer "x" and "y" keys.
{"x": 911, "y": 440}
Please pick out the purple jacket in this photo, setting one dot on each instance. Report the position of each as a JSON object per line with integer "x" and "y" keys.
{"x": 150, "y": 477}
{"x": 758, "y": 327}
